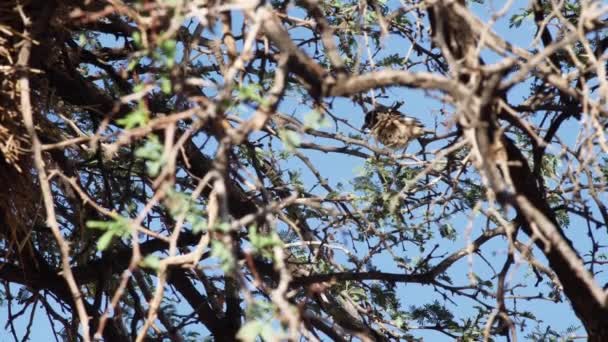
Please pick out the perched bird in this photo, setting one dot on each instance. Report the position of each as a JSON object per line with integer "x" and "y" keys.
{"x": 391, "y": 128}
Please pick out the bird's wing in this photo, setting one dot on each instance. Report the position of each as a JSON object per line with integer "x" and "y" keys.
{"x": 411, "y": 121}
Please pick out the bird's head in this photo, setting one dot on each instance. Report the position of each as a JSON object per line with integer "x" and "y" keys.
{"x": 371, "y": 118}
{"x": 380, "y": 111}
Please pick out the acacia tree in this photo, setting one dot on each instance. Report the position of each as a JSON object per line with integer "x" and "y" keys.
{"x": 180, "y": 169}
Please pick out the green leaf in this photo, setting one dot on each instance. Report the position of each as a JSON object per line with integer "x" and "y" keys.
{"x": 169, "y": 47}
{"x": 250, "y": 331}
{"x": 263, "y": 243}
{"x": 223, "y": 227}
{"x": 139, "y": 87}
{"x": 357, "y": 293}
{"x": 399, "y": 322}
{"x": 177, "y": 202}
{"x": 101, "y": 225}
{"x": 168, "y": 50}
{"x": 290, "y": 138}
{"x": 151, "y": 261}
{"x": 250, "y": 92}
{"x": 153, "y": 167}
{"x": 517, "y": 19}
{"x": 224, "y": 255}
{"x": 448, "y": 231}
{"x": 105, "y": 240}
{"x": 267, "y": 333}
{"x": 118, "y": 226}
{"x": 199, "y": 224}
{"x": 165, "y": 85}
{"x": 137, "y": 40}
{"x": 152, "y": 152}
{"x": 136, "y": 118}
{"x": 132, "y": 64}
{"x": 315, "y": 120}
{"x": 82, "y": 39}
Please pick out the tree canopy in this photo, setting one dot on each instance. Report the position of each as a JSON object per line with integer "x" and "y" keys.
{"x": 181, "y": 170}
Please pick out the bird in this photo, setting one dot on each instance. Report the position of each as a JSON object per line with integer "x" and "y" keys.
{"x": 391, "y": 128}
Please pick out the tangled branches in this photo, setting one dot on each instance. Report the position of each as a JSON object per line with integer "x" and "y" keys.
{"x": 181, "y": 168}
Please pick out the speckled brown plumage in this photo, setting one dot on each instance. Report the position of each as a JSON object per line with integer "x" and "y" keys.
{"x": 392, "y": 129}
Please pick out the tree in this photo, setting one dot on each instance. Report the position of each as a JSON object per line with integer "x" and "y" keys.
{"x": 180, "y": 169}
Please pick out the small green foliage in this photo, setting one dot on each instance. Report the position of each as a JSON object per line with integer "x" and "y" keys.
{"x": 139, "y": 87}
{"x": 117, "y": 227}
{"x": 517, "y": 19}
{"x": 446, "y": 278}
{"x": 168, "y": 49}
{"x": 393, "y": 200}
{"x": 150, "y": 261}
{"x": 152, "y": 153}
{"x": 391, "y": 60}
{"x": 177, "y": 202}
{"x": 290, "y": 139}
{"x": 165, "y": 85}
{"x": 222, "y": 227}
{"x": 251, "y": 92}
{"x": 263, "y": 243}
{"x": 104, "y": 241}
{"x": 471, "y": 330}
{"x": 295, "y": 179}
{"x": 82, "y": 39}
{"x": 604, "y": 169}
{"x": 472, "y": 194}
{"x": 561, "y": 214}
{"x": 259, "y": 322}
{"x": 573, "y": 11}
{"x": 198, "y": 222}
{"x": 447, "y": 231}
{"x": 315, "y": 120}
{"x": 433, "y": 314}
{"x": 356, "y": 293}
{"x": 137, "y": 118}
{"x": 528, "y": 314}
{"x": 549, "y": 334}
{"x": 385, "y": 296}
{"x": 224, "y": 256}
{"x": 252, "y": 329}
{"x": 137, "y": 39}
{"x": 132, "y": 64}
